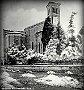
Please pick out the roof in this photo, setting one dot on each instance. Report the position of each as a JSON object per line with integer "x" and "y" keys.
{"x": 53, "y": 3}
{"x": 13, "y": 32}
{"x": 35, "y": 25}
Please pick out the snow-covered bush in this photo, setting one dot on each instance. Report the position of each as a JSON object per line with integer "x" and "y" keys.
{"x": 33, "y": 57}
{"x": 50, "y": 52}
{"x": 16, "y": 56}
{"x": 68, "y": 54}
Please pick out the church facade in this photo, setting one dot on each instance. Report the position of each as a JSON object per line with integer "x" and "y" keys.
{"x": 33, "y": 35}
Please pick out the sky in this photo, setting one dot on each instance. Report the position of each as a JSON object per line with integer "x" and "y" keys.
{"x": 18, "y": 15}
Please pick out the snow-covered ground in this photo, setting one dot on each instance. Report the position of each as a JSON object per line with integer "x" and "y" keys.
{"x": 54, "y": 80}
{"x": 18, "y": 78}
{"x": 6, "y": 80}
{"x": 27, "y": 75}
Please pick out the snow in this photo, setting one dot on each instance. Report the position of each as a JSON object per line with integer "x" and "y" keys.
{"x": 28, "y": 75}
{"x": 23, "y": 55}
{"x": 4, "y": 75}
{"x": 70, "y": 53}
{"x": 50, "y": 72}
{"x": 50, "y": 54}
{"x": 7, "y": 77}
{"x": 10, "y": 79}
{"x": 68, "y": 72}
{"x": 6, "y": 80}
{"x": 6, "y": 85}
{"x": 54, "y": 80}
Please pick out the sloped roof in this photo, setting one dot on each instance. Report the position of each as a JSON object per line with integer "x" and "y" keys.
{"x": 12, "y": 32}
{"x": 35, "y": 25}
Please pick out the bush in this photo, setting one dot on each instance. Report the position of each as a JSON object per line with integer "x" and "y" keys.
{"x": 11, "y": 60}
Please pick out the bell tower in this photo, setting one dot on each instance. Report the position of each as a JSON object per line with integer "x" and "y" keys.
{"x": 53, "y": 11}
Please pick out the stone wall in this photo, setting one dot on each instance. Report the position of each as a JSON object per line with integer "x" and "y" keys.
{"x": 33, "y": 37}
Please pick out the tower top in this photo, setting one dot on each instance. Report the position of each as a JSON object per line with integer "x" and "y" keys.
{"x": 53, "y": 11}
{"x": 53, "y": 4}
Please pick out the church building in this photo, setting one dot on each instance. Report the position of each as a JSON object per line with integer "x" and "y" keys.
{"x": 34, "y": 33}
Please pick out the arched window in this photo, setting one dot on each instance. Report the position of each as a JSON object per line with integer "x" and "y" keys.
{"x": 9, "y": 39}
{"x": 53, "y": 10}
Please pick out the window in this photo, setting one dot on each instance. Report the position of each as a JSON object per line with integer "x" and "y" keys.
{"x": 48, "y": 11}
{"x": 52, "y": 20}
{"x": 32, "y": 45}
{"x": 9, "y": 39}
{"x": 55, "y": 10}
{"x": 39, "y": 47}
{"x": 16, "y": 39}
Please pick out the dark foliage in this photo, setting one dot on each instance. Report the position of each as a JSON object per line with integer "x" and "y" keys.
{"x": 47, "y": 32}
{"x": 11, "y": 60}
{"x": 60, "y": 35}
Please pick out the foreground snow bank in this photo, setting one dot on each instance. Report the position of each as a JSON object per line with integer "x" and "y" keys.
{"x": 5, "y": 76}
{"x": 28, "y": 75}
{"x": 6, "y": 80}
{"x": 54, "y": 80}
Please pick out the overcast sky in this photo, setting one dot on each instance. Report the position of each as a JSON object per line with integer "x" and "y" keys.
{"x": 17, "y": 15}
